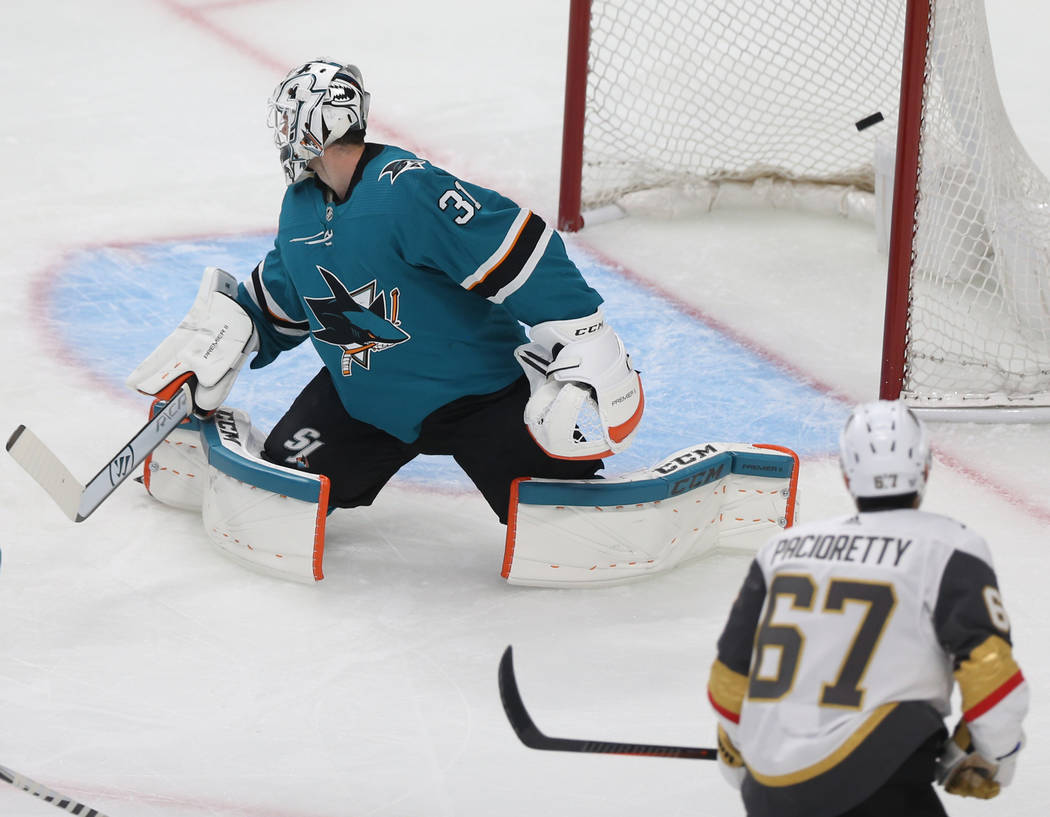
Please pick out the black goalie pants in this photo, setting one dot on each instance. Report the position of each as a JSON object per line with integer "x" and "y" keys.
{"x": 485, "y": 434}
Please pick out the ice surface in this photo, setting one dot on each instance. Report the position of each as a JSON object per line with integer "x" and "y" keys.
{"x": 150, "y": 677}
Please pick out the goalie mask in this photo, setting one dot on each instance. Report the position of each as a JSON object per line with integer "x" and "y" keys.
{"x": 314, "y": 105}
{"x": 884, "y": 451}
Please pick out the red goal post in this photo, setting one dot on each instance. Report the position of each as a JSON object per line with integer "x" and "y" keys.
{"x": 690, "y": 94}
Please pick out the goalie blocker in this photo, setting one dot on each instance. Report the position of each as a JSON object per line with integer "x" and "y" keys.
{"x": 608, "y": 531}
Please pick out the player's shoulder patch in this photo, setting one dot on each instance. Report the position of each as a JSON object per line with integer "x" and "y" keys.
{"x": 395, "y": 168}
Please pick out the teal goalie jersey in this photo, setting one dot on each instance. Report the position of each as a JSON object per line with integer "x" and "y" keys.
{"x": 413, "y": 289}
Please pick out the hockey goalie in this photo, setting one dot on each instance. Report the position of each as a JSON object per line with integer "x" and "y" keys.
{"x": 426, "y": 297}
{"x": 592, "y": 531}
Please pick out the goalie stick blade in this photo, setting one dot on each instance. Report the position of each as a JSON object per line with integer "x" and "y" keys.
{"x": 42, "y": 465}
{"x": 529, "y": 734}
{"x": 47, "y": 795}
{"x": 78, "y": 500}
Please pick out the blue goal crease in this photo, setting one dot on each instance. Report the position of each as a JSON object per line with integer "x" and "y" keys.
{"x": 113, "y": 305}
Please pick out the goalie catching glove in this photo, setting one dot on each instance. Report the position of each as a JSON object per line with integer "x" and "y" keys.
{"x": 572, "y": 364}
{"x": 207, "y": 349}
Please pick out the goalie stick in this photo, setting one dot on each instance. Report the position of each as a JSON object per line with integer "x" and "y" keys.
{"x": 47, "y": 795}
{"x": 531, "y": 736}
{"x": 78, "y": 500}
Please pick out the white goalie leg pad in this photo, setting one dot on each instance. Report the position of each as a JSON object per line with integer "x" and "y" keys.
{"x": 265, "y": 516}
{"x": 176, "y": 472}
{"x": 608, "y": 531}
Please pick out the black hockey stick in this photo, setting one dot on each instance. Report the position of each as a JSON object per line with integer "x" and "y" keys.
{"x": 531, "y": 736}
{"x": 78, "y": 500}
{"x": 47, "y": 795}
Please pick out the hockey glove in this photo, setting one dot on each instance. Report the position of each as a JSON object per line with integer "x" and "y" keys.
{"x": 208, "y": 348}
{"x": 575, "y": 364}
{"x": 965, "y": 772}
{"x": 730, "y": 761}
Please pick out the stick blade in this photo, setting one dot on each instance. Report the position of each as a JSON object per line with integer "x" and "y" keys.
{"x": 529, "y": 734}
{"x": 518, "y": 716}
{"x": 43, "y": 466}
{"x": 520, "y": 720}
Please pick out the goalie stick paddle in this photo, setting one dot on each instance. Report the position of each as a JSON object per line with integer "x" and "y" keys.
{"x": 531, "y": 736}
{"x": 78, "y": 500}
{"x": 47, "y": 795}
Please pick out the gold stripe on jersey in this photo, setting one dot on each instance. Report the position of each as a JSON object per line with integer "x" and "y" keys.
{"x": 726, "y": 690}
{"x": 986, "y": 676}
{"x": 832, "y": 760}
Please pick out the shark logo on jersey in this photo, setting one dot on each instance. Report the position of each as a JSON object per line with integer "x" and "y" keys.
{"x": 398, "y": 166}
{"x": 356, "y": 321}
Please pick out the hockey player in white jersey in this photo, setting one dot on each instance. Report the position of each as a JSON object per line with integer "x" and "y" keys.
{"x": 836, "y": 665}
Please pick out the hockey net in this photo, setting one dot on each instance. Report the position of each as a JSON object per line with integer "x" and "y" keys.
{"x": 796, "y": 100}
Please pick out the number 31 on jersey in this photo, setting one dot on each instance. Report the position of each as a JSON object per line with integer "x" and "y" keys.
{"x": 462, "y": 201}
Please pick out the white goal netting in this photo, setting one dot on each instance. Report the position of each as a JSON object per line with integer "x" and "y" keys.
{"x": 685, "y": 93}
{"x": 979, "y": 318}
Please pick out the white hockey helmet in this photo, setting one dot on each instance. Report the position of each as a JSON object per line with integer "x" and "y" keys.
{"x": 884, "y": 451}
{"x": 315, "y": 104}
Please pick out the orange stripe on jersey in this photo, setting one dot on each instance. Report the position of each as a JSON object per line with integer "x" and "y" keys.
{"x": 987, "y": 676}
{"x": 519, "y": 259}
{"x": 726, "y": 690}
{"x": 506, "y": 255}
